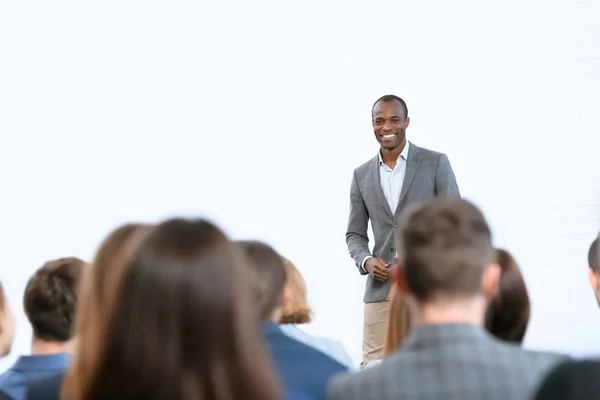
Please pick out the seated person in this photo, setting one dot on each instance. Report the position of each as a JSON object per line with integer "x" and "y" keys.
{"x": 50, "y": 300}
{"x": 302, "y": 368}
{"x": 296, "y": 312}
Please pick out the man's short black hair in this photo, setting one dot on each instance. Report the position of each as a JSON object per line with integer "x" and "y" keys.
{"x": 593, "y": 256}
{"x": 390, "y": 97}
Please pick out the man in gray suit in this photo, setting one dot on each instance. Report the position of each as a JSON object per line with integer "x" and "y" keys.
{"x": 448, "y": 265}
{"x": 399, "y": 176}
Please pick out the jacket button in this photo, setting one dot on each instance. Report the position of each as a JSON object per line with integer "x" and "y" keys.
{"x": 393, "y": 250}
{"x": 395, "y": 226}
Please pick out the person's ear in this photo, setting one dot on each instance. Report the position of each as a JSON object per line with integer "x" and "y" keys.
{"x": 490, "y": 281}
{"x": 406, "y": 122}
{"x": 594, "y": 281}
{"x": 399, "y": 279}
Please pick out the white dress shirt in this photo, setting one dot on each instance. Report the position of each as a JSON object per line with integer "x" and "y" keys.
{"x": 391, "y": 182}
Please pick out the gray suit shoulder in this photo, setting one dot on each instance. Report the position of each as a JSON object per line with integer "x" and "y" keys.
{"x": 427, "y": 153}
{"x": 364, "y": 167}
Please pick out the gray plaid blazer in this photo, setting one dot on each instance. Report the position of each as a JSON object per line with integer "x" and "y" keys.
{"x": 453, "y": 362}
{"x": 428, "y": 175}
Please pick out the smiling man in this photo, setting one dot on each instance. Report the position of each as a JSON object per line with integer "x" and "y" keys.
{"x": 400, "y": 176}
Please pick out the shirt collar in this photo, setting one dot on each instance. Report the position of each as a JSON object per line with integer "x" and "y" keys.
{"x": 430, "y": 335}
{"x": 42, "y": 362}
{"x": 404, "y": 153}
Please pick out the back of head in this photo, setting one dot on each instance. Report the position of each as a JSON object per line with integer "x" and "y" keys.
{"x": 269, "y": 275}
{"x": 185, "y": 326}
{"x": 507, "y": 316}
{"x": 594, "y": 256}
{"x": 295, "y": 309}
{"x": 51, "y": 297}
{"x": 444, "y": 248}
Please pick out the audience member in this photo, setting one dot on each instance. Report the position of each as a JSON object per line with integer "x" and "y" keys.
{"x": 594, "y": 269}
{"x": 49, "y": 302}
{"x": 7, "y": 331}
{"x": 181, "y": 324}
{"x": 449, "y": 267}
{"x": 99, "y": 289}
{"x": 296, "y": 312}
{"x": 507, "y": 315}
{"x": 575, "y": 380}
{"x": 302, "y": 368}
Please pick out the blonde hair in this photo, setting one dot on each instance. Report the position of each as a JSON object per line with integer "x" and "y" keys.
{"x": 401, "y": 319}
{"x": 296, "y": 309}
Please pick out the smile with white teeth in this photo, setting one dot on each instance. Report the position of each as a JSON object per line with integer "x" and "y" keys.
{"x": 388, "y": 136}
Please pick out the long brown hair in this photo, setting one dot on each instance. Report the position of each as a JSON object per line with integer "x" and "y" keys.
{"x": 507, "y": 315}
{"x": 186, "y": 327}
{"x": 98, "y": 300}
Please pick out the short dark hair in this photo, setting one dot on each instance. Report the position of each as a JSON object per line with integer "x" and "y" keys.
{"x": 593, "y": 259}
{"x": 390, "y": 97}
{"x": 444, "y": 247}
{"x": 270, "y": 274}
{"x": 51, "y": 296}
{"x": 507, "y": 316}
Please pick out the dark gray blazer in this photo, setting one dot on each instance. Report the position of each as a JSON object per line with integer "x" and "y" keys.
{"x": 428, "y": 174}
{"x": 451, "y": 362}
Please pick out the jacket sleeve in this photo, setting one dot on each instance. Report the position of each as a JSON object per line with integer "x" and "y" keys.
{"x": 445, "y": 181}
{"x": 357, "y": 237}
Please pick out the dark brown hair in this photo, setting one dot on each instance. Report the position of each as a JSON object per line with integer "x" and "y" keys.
{"x": 269, "y": 274}
{"x": 593, "y": 256}
{"x": 444, "y": 246}
{"x": 185, "y": 326}
{"x": 50, "y": 299}
{"x": 507, "y": 315}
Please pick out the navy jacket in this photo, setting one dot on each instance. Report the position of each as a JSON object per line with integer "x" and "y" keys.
{"x": 302, "y": 368}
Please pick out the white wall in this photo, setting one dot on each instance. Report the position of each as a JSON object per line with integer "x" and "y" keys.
{"x": 254, "y": 114}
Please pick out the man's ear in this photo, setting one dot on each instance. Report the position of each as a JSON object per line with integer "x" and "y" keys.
{"x": 490, "y": 281}
{"x": 399, "y": 279}
{"x": 594, "y": 281}
{"x": 406, "y": 122}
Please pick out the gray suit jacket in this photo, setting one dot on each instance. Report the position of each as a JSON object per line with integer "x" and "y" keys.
{"x": 428, "y": 174}
{"x": 451, "y": 362}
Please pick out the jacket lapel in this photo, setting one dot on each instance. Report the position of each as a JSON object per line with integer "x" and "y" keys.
{"x": 411, "y": 169}
{"x": 375, "y": 179}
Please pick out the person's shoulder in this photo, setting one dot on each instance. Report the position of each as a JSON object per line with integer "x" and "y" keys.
{"x": 290, "y": 347}
{"x": 345, "y": 386}
{"x": 423, "y": 152}
{"x": 533, "y": 360}
{"x": 46, "y": 388}
{"x": 364, "y": 167}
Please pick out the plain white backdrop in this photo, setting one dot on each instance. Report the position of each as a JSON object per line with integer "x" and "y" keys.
{"x": 254, "y": 114}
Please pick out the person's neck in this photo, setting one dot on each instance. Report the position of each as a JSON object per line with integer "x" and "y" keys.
{"x": 453, "y": 311}
{"x": 391, "y": 155}
{"x": 43, "y": 347}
